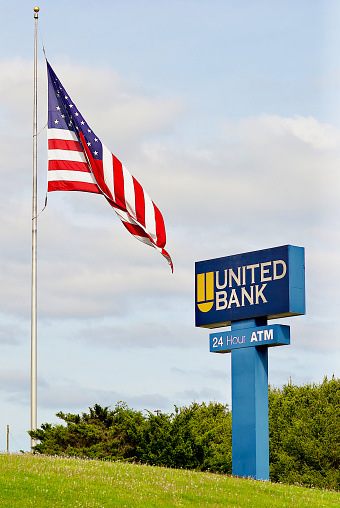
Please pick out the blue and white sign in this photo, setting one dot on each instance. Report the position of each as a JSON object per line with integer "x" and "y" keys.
{"x": 266, "y": 283}
{"x": 244, "y": 291}
{"x": 224, "y": 342}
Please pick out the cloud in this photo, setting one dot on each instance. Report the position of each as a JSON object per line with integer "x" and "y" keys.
{"x": 261, "y": 168}
{"x": 262, "y": 131}
{"x": 204, "y": 395}
{"x": 265, "y": 181}
{"x": 77, "y": 398}
{"x": 14, "y": 381}
{"x": 140, "y": 334}
{"x": 11, "y": 334}
{"x": 208, "y": 373}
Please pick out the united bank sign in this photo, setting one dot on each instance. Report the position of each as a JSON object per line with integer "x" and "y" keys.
{"x": 244, "y": 291}
{"x": 268, "y": 283}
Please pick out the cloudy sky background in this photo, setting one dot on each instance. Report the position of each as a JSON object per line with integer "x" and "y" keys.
{"x": 228, "y": 114}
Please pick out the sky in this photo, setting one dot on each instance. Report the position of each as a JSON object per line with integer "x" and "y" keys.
{"x": 228, "y": 113}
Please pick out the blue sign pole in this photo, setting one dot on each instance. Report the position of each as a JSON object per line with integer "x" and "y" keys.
{"x": 248, "y": 341}
{"x": 250, "y": 431}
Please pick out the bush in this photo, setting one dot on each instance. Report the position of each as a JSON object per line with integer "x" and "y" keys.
{"x": 101, "y": 433}
{"x": 304, "y": 434}
{"x": 197, "y": 437}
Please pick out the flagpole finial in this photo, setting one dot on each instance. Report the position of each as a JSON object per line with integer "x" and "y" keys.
{"x": 36, "y": 10}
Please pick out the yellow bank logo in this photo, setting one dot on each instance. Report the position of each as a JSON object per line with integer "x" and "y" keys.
{"x": 205, "y": 291}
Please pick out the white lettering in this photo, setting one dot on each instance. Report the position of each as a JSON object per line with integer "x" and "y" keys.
{"x": 218, "y": 285}
{"x": 268, "y": 334}
{"x": 233, "y": 299}
{"x": 276, "y": 276}
{"x": 237, "y": 340}
{"x": 265, "y": 271}
{"x": 232, "y": 275}
{"x": 252, "y": 268}
{"x": 258, "y": 294}
{"x": 250, "y": 297}
{"x": 253, "y": 337}
{"x": 221, "y": 300}
{"x": 260, "y": 333}
{"x": 243, "y": 275}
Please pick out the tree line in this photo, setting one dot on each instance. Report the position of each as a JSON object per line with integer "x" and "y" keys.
{"x": 304, "y": 435}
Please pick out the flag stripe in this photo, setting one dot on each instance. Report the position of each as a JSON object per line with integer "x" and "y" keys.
{"x": 63, "y": 144}
{"x": 129, "y": 192}
{"x": 63, "y": 185}
{"x": 135, "y": 229}
{"x": 73, "y": 176}
{"x": 118, "y": 182}
{"x": 160, "y": 228}
{"x": 139, "y": 202}
{"x": 108, "y": 171}
{"x": 68, "y": 166}
{"x": 124, "y": 215}
{"x": 66, "y": 155}
{"x": 150, "y": 222}
{"x": 62, "y": 134}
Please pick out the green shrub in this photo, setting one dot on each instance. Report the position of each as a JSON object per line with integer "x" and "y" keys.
{"x": 197, "y": 437}
{"x": 304, "y": 434}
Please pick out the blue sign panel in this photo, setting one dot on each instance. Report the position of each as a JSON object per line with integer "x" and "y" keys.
{"x": 224, "y": 342}
{"x": 268, "y": 283}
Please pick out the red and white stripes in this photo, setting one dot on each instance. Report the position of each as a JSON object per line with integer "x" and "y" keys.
{"x": 67, "y": 165}
{"x": 72, "y": 167}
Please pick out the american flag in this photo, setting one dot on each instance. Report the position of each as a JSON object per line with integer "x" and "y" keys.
{"x": 78, "y": 161}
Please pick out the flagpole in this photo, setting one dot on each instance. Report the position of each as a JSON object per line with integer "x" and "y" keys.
{"x": 34, "y": 249}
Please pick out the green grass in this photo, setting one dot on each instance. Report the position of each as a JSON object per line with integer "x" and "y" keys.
{"x": 53, "y": 482}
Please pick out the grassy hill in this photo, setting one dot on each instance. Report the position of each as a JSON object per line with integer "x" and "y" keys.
{"x": 55, "y": 482}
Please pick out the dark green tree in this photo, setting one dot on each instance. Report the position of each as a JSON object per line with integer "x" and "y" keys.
{"x": 304, "y": 435}
{"x": 194, "y": 437}
{"x": 197, "y": 437}
{"x": 304, "y": 423}
{"x": 101, "y": 433}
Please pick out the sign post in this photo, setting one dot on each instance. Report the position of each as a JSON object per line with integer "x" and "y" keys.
{"x": 244, "y": 291}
